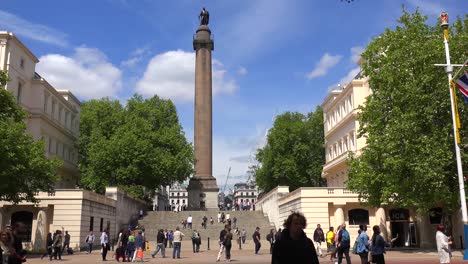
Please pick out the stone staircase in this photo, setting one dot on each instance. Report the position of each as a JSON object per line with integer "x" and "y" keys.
{"x": 169, "y": 220}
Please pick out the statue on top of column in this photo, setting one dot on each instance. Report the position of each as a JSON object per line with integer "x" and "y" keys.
{"x": 204, "y": 17}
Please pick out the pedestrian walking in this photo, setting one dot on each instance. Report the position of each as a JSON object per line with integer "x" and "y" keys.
{"x": 90, "y": 241}
{"x": 166, "y": 237}
{"x": 57, "y": 246}
{"x": 343, "y": 244}
{"x": 443, "y": 245}
{"x": 256, "y": 239}
{"x": 189, "y": 221}
{"x": 238, "y": 234}
{"x": 120, "y": 250}
{"x": 234, "y": 222}
{"x": 319, "y": 237}
{"x": 160, "y": 238}
{"x": 205, "y": 220}
{"x": 131, "y": 246}
{"x": 66, "y": 242}
{"x": 222, "y": 235}
{"x": 363, "y": 245}
{"x": 49, "y": 245}
{"x": 139, "y": 243}
{"x": 330, "y": 238}
{"x": 228, "y": 244}
{"x": 177, "y": 243}
{"x": 104, "y": 244}
{"x": 378, "y": 245}
{"x": 196, "y": 241}
{"x": 244, "y": 235}
{"x": 219, "y": 217}
{"x": 294, "y": 246}
{"x": 211, "y": 220}
{"x": 271, "y": 239}
{"x": 171, "y": 239}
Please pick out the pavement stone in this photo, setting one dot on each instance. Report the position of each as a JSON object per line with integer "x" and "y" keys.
{"x": 246, "y": 255}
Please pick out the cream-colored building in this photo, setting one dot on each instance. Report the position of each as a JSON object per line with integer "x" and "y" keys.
{"x": 334, "y": 205}
{"x": 54, "y": 117}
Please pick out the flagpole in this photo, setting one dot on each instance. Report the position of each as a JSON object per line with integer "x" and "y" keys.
{"x": 448, "y": 70}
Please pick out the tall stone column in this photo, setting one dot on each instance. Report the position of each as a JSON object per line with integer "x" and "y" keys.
{"x": 202, "y": 189}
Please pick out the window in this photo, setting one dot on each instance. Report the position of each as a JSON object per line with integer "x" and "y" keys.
{"x": 19, "y": 92}
{"x": 91, "y": 223}
{"x": 22, "y": 63}
{"x": 101, "y": 225}
{"x": 57, "y": 147}
{"x": 46, "y": 101}
{"x": 358, "y": 217}
{"x": 60, "y": 114}
{"x": 66, "y": 118}
{"x": 52, "y": 112}
{"x": 50, "y": 145}
{"x": 435, "y": 216}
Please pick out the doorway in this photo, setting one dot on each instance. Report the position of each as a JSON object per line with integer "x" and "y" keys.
{"x": 405, "y": 232}
{"x": 25, "y": 218}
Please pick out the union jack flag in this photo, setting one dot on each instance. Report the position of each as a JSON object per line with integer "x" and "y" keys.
{"x": 462, "y": 84}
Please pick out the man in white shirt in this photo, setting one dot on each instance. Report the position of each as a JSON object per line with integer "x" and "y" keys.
{"x": 104, "y": 244}
{"x": 177, "y": 243}
{"x": 189, "y": 221}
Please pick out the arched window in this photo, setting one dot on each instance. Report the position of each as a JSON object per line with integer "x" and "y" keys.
{"x": 25, "y": 218}
{"x": 358, "y": 217}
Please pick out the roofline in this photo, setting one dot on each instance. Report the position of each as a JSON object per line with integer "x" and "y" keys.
{"x": 68, "y": 92}
{"x": 10, "y": 35}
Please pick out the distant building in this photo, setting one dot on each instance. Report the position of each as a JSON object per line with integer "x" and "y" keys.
{"x": 245, "y": 193}
{"x": 161, "y": 199}
{"x": 178, "y": 197}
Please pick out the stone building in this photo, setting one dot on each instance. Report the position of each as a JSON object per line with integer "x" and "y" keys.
{"x": 178, "y": 197}
{"x": 245, "y": 192}
{"x": 334, "y": 205}
{"x": 54, "y": 117}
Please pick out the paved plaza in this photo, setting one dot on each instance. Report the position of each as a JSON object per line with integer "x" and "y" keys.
{"x": 246, "y": 255}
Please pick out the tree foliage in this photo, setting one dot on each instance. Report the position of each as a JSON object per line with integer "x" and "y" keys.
{"x": 294, "y": 153}
{"x": 137, "y": 147}
{"x": 24, "y": 168}
{"x": 409, "y": 160}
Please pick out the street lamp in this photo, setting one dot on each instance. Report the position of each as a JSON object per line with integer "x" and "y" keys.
{"x": 456, "y": 125}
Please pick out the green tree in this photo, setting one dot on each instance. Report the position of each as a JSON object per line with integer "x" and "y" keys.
{"x": 24, "y": 168}
{"x": 294, "y": 153}
{"x": 137, "y": 147}
{"x": 409, "y": 160}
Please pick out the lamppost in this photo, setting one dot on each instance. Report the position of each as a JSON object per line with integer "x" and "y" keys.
{"x": 456, "y": 125}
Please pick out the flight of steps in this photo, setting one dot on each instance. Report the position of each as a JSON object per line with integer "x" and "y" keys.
{"x": 169, "y": 220}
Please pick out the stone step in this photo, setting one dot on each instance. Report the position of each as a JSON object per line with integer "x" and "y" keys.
{"x": 248, "y": 220}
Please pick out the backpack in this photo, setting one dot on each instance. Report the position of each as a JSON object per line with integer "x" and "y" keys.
{"x": 345, "y": 236}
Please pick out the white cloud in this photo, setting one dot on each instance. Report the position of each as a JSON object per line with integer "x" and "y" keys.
{"x": 326, "y": 63}
{"x": 135, "y": 57}
{"x": 37, "y": 32}
{"x": 172, "y": 75}
{"x": 87, "y": 73}
{"x": 242, "y": 71}
{"x": 131, "y": 62}
{"x": 356, "y": 53}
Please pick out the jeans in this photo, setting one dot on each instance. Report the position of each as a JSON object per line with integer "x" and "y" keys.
{"x": 228, "y": 251}
{"x": 176, "y": 250}
{"x": 196, "y": 246}
{"x": 90, "y": 247}
{"x": 57, "y": 253}
{"x": 257, "y": 246}
{"x": 104, "y": 251}
{"x": 161, "y": 247}
{"x": 344, "y": 251}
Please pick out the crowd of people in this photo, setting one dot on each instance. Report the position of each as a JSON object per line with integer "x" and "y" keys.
{"x": 288, "y": 245}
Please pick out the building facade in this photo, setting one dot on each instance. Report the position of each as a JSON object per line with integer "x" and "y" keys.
{"x": 245, "y": 195}
{"x": 54, "y": 117}
{"x": 178, "y": 197}
{"x": 334, "y": 205}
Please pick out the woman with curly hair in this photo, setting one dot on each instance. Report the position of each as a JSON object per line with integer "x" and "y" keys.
{"x": 294, "y": 246}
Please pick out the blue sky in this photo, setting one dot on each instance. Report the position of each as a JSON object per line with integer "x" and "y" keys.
{"x": 269, "y": 57}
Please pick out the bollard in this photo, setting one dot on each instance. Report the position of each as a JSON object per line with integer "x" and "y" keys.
{"x": 208, "y": 243}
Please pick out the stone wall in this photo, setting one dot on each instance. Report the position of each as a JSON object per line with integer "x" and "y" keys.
{"x": 268, "y": 204}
